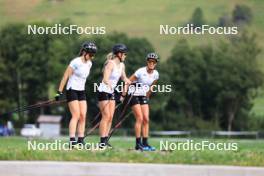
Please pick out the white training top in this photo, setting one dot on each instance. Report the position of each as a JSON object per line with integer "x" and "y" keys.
{"x": 113, "y": 78}
{"x": 144, "y": 81}
{"x": 81, "y": 71}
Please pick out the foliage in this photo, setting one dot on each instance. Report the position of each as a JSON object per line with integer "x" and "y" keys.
{"x": 242, "y": 13}
{"x": 212, "y": 87}
{"x": 214, "y": 84}
{"x": 197, "y": 17}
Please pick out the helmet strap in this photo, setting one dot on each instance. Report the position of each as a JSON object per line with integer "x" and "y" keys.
{"x": 120, "y": 58}
{"x": 85, "y": 56}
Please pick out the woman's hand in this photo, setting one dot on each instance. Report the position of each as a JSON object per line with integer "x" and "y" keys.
{"x": 58, "y": 96}
{"x": 122, "y": 98}
{"x": 127, "y": 81}
{"x": 148, "y": 94}
{"x": 108, "y": 84}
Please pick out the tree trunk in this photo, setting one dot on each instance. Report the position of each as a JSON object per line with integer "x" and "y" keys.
{"x": 188, "y": 110}
{"x": 19, "y": 94}
{"x": 231, "y": 116}
{"x": 232, "y": 107}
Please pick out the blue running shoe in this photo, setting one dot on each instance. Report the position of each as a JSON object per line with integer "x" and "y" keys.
{"x": 149, "y": 148}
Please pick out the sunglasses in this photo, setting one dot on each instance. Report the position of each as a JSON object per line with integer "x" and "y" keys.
{"x": 152, "y": 61}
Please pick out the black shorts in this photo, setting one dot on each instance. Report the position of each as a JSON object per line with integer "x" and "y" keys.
{"x": 72, "y": 95}
{"x": 139, "y": 100}
{"x": 102, "y": 96}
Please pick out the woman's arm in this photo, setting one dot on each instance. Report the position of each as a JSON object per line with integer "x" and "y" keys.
{"x": 65, "y": 78}
{"x": 107, "y": 71}
{"x": 131, "y": 79}
{"x": 123, "y": 76}
{"x": 126, "y": 80}
{"x": 151, "y": 87}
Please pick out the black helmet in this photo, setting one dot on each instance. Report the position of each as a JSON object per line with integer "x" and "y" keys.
{"x": 119, "y": 48}
{"x": 152, "y": 56}
{"x": 89, "y": 47}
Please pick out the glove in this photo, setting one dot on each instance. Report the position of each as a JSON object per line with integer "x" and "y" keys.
{"x": 117, "y": 97}
{"x": 122, "y": 98}
{"x": 58, "y": 96}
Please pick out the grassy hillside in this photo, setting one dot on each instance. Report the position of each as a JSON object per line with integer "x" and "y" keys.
{"x": 136, "y": 18}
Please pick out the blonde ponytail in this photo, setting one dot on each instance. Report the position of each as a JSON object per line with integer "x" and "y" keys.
{"x": 110, "y": 56}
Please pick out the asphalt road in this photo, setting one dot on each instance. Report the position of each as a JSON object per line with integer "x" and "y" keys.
{"x": 53, "y": 168}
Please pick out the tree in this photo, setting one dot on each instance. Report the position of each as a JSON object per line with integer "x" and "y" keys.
{"x": 239, "y": 74}
{"x": 28, "y": 66}
{"x": 242, "y": 13}
{"x": 186, "y": 66}
{"x": 225, "y": 20}
{"x": 214, "y": 85}
{"x": 197, "y": 17}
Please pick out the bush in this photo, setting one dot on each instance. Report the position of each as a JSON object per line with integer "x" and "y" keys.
{"x": 197, "y": 17}
{"x": 225, "y": 20}
{"x": 242, "y": 13}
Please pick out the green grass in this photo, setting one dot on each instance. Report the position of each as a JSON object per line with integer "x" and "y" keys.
{"x": 249, "y": 153}
{"x": 137, "y": 19}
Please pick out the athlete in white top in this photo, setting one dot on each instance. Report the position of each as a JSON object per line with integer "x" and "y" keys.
{"x": 143, "y": 80}
{"x": 75, "y": 76}
{"x": 80, "y": 73}
{"x": 113, "y": 71}
{"x": 115, "y": 75}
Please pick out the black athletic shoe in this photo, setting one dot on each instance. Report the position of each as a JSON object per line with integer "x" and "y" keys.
{"x": 82, "y": 145}
{"x": 72, "y": 144}
{"x": 141, "y": 147}
{"x": 102, "y": 146}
